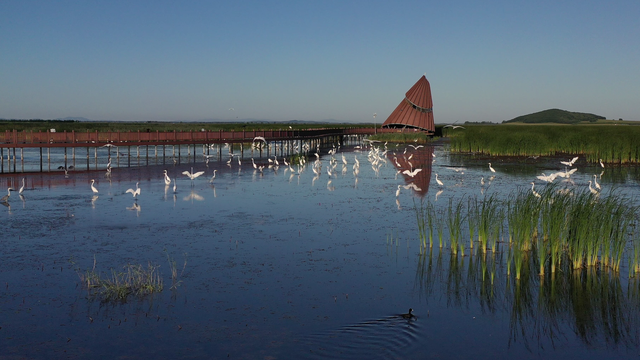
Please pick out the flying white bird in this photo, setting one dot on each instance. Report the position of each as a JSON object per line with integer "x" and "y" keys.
{"x": 191, "y": 174}
{"x": 412, "y": 173}
{"x": 569, "y": 163}
{"x": 135, "y": 192}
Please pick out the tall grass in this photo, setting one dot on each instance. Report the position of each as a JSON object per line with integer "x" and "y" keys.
{"x": 455, "y": 219}
{"x": 558, "y": 230}
{"x": 594, "y": 142}
{"x": 136, "y": 280}
{"x": 132, "y": 280}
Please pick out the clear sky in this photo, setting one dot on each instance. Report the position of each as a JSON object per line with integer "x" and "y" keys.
{"x": 316, "y": 60}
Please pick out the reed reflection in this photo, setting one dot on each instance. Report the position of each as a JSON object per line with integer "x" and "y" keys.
{"x": 593, "y": 304}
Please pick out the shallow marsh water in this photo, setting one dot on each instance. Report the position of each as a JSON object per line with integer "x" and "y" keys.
{"x": 282, "y": 266}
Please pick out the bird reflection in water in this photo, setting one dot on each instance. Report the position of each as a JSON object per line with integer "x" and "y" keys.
{"x": 193, "y": 196}
{"x": 135, "y": 207}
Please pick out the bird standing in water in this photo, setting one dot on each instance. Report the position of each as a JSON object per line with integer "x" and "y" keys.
{"x": 5, "y": 199}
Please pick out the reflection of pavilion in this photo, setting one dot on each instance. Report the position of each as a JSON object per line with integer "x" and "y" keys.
{"x": 412, "y": 159}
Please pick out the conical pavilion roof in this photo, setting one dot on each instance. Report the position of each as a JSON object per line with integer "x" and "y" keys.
{"x": 415, "y": 110}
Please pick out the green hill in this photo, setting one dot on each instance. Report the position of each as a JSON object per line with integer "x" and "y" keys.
{"x": 556, "y": 116}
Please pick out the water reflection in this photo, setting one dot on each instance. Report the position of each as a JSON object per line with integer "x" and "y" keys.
{"x": 408, "y": 161}
{"x": 590, "y": 303}
{"x": 193, "y": 195}
{"x": 135, "y": 207}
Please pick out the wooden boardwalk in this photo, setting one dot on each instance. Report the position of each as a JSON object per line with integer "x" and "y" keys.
{"x": 41, "y": 149}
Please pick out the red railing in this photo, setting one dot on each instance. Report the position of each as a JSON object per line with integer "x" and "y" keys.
{"x": 18, "y": 139}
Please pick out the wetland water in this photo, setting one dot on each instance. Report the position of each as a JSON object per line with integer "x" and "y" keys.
{"x": 284, "y": 266}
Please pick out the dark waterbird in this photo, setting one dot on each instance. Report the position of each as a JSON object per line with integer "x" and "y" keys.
{"x": 408, "y": 315}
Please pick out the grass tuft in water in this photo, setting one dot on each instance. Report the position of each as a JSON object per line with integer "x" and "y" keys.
{"x": 136, "y": 280}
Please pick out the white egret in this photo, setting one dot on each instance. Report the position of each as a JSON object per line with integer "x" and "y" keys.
{"x": 135, "y": 192}
{"x": 5, "y": 199}
{"x": 21, "y": 187}
{"x": 93, "y": 188}
{"x": 167, "y": 179}
{"x": 601, "y": 163}
{"x": 569, "y": 163}
{"x": 412, "y": 173}
{"x": 398, "y": 191}
{"x": 547, "y": 178}
{"x": 593, "y": 191}
{"x": 491, "y": 168}
{"x": 438, "y": 181}
{"x": 214, "y": 176}
{"x": 191, "y": 174}
{"x": 533, "y": 191}
{"x": 595, "y": 182}
{"x": 482, "y": 181}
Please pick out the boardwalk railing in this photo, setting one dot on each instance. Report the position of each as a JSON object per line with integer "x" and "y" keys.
{"x": 21, "y": 139}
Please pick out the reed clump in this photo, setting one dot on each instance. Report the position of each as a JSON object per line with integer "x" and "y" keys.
{"x": 558, "y": 229}
{"x": 594, "y": 142}
{"x": 118, "y": 285}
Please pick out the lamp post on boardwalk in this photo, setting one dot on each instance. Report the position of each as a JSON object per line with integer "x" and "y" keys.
{"x": 375, "y": 130}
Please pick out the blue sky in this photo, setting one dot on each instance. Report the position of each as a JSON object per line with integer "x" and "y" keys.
{"x": 316, "y": 60}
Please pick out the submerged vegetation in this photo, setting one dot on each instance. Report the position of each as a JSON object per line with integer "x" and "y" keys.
{"x": 613, "y": 144}
{"x": 558, "y": 229}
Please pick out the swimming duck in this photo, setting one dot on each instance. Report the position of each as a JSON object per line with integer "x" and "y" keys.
{"x": 408, "y": 315}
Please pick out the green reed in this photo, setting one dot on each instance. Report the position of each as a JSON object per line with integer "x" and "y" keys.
{"x": 472, "y": 219}
{"x": 554, "y": 202}
{"x": 134, "y": 280}
{"x": 455, "y": 219}
{"x": 489, "y": 221}
{"x": 523, "y": 215}
{"x": 560, "y": 229}
{"x": 425, "y": 215}
{"x": 594, "y": 142}
{"x": 440, "y": 219}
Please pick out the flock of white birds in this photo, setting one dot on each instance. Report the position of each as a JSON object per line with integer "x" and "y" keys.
{"x": 376, "y": 156}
